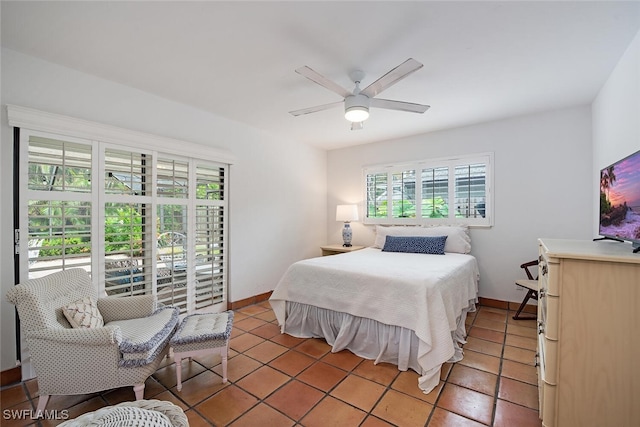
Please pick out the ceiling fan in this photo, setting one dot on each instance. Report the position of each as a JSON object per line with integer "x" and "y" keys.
{"x": 357, "y": 102}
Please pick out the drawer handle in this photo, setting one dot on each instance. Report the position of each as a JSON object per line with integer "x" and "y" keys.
{"x": 535, "y": 360}
{"x": 540, "y": 328}
{"x": 542, "y": 293}
{"x": 544, "y": 269}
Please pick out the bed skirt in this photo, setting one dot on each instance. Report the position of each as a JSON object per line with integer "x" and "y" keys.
{"x": 371, "y": 339}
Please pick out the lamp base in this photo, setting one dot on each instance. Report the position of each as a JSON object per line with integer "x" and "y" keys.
{"x": 346, "y": 235}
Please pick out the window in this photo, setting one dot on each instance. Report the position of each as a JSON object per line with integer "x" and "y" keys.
{"x": 128, "y": 254}
{"x": 59, "y": 203}
{"x": 140, "y": 221}
{"x": 431, "y": 191}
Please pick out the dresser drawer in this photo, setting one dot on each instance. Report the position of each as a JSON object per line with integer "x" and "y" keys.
{"x": 540, "y": 369}
{"x": 546, "y": 389}
{"x": 549, "y": 274}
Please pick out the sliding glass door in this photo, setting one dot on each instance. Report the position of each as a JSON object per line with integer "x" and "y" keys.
{"x": 138, "y": 220}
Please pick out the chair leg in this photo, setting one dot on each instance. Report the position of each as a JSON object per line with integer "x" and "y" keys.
{"x": 138, "y": 389}
{"x": 224, "y": 351}
{"x": 530, "y": 294}
{"x": 42, "y": 403}
{"x": 178, "y": 359}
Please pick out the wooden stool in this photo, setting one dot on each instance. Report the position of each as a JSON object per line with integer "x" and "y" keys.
{"x": 200, "y": 334}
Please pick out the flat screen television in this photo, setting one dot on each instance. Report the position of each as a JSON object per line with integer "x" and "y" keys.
{"x": 620, "y": 201}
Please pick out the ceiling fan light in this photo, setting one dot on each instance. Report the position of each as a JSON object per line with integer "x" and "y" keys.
{"x": 356, "y": 108}
{"x": 356, "y": 114}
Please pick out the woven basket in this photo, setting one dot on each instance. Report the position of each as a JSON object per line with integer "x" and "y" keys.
{"x": 141, "y": 413}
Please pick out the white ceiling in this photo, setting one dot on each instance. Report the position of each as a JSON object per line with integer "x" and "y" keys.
{"x": 482, "y": 60}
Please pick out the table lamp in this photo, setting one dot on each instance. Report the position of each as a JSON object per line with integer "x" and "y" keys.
{"x": 346, "y": 213}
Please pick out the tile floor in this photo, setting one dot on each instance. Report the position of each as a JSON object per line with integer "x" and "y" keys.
{"x": 278, "y": 380}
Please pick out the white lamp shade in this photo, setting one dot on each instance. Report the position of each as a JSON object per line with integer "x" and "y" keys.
{"x": 356, "y": 108}
{"x": 346, "y": 213}
{"x": 357, "y": 114}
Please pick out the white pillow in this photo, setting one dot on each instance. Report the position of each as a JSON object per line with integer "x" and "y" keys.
{"x": 458, "y": 238}
{"x": 83, "y": 314}
{"x": 382, "y": 232}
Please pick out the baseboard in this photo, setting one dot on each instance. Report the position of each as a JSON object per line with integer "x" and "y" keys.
{"x": 507, "y": 305}
{"x": 10, "y": 376}
{"x": 249, "y": 301}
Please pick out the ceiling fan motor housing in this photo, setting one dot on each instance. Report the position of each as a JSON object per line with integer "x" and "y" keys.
{"x": 356, "y": 108}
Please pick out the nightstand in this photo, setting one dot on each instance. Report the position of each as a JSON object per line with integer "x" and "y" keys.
{"x": 338, "y": 249}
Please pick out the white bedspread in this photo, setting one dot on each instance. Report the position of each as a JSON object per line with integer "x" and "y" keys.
{"x": 423, "y": 293}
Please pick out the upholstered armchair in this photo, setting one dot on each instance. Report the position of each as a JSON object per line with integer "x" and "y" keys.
{"x": 123, "y": 349}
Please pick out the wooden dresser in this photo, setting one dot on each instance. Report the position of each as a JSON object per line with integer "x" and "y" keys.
{"x": 588, "y": 334}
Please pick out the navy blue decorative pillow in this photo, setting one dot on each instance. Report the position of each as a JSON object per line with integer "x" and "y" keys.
{"x": 415, "y": 244}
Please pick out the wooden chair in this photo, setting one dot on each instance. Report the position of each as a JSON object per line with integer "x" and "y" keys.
{"x": 531, "y": 285}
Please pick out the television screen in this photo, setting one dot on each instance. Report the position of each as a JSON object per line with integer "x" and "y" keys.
{"x": 620, "y": 200}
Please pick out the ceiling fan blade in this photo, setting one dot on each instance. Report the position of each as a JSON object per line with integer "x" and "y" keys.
{"x": 316, "y": 108}
{"x": 356, "y": 125}
{"x": 392, "y": 77}
{"x": 323, "y": 81}
{"x": 399, "y": 105}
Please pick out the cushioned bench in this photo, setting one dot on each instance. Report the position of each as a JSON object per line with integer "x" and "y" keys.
{"x": 200, "y": 334}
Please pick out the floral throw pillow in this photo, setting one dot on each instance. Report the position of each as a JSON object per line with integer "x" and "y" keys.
{"x": 83, "y": 314}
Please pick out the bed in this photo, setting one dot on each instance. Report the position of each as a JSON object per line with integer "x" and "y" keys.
{"x": 408, "y": 309}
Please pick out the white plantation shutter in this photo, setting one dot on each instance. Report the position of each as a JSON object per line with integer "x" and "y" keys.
{"x": 435, "y": 192}
{"x": 172, "y": 255}
{"x": 403, "y": 192}
{"x": 138, "y": 220}
{"x": 57, "y": 196}
{"x": 456, "y": 190}
{"x": 172, "y": 182}
{"x": 172, "y": 178}
{"x": 470, "y": 190}
{"x": 376, "y": 188}
{"x": 128, "y": 223}
{"x": 211, "y": 264}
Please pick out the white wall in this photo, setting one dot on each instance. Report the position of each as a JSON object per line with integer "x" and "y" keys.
{"x": 542, "y": 169}
{"x": 277, "y": 192}
{"x": 616, "y": 117}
